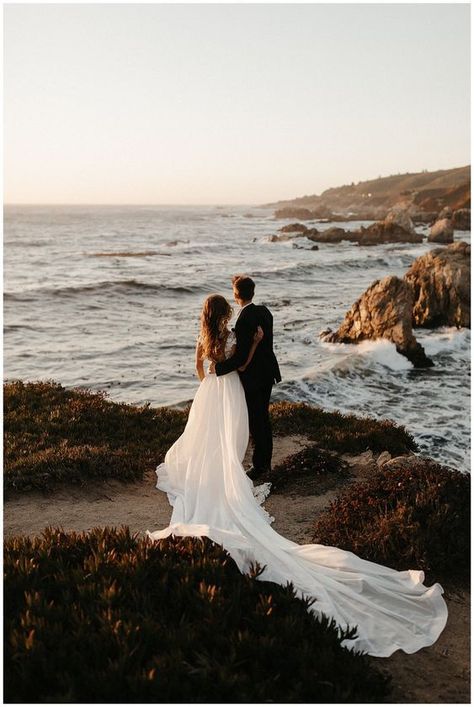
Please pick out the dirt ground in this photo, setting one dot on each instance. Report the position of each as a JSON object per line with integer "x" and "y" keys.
{"x": 438, "y": 674}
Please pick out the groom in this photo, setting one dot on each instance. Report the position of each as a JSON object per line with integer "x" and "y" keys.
{"x": 260, "y": 374}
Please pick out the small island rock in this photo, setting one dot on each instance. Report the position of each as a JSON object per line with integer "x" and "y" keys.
{"x": 441, "y": 231}
{"x": 383, "y": 311}
{"x": 294, "y": 228}
{"x": 462, "y": 219}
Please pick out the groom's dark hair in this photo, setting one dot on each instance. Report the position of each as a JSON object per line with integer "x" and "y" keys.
{"x": 244, "y": 286}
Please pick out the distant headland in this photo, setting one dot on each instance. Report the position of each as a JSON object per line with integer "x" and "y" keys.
{"x": 424, "y": 194}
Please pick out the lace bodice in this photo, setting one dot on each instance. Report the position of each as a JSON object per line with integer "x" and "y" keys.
{"x": 229, "y": 344}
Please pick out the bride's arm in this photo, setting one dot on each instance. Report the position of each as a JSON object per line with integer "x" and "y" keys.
{"x": 258, "y": 336}
{"x": 199, "y": 361}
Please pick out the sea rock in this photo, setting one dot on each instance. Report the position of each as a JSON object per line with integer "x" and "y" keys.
{"x": 397, "y": 227}
{"x": 399, "y": 216}
{"x": 283, "y": 237}
{"x": 462, "y": 219}
{"x": 383, "y": 311}
{"x": 441, "y": 231}
{"x": 446, "y": 212}
{"x": 302, "y": 247}
{"x": 440, "y": 282}
{"x": 294, "y": 228}
{"x": 294, "y": 212}
{"x": 330, "y": 235}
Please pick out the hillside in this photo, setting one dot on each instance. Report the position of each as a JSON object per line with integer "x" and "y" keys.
{"x": 428, "y": 191}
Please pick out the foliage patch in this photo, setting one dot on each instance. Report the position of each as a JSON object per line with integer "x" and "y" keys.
{"x": 347, "y": 434}
{"x": 52, "y": 435}
{"x": 108, "y": 617}
{"x": 416, "y": 516}
{"x": 308, "y": 472}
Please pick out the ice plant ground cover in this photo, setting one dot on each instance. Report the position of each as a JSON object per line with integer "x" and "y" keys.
{"x": 107, "y": 617}
{"x": 54, "y": 434}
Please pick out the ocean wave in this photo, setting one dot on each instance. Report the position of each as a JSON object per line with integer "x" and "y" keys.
{"x": 127, "y": 254}
{"x": 107, "y": 286}
{"x": 444, "y": 340}
{"x": 366, "y": 354}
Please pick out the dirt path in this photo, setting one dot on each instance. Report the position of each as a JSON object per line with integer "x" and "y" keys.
{"x": 438, "y": 674}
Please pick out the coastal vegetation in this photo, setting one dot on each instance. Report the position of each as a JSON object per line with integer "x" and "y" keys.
{"x": 107, "y": 617}
{"x": 58, "y": 435}
{"x": 307, "y": 472}
{"x": 414, "y": 513}
{"x": 348, "y": 434}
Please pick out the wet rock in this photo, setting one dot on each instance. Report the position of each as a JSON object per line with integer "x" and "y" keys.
{"x": 283, "y": 237}
{"x": 294, "y": 228}
{"x": 441, "y": 231}
{"x": 462, "y": 219}
{"x": 446, "y": 212}
{"x": 440, "y": 282}
{"x": 330, "y": 235}
{"x": 383, "y": 311}
{"x": 397, "y": 227}
{"x": 399, "y": 216}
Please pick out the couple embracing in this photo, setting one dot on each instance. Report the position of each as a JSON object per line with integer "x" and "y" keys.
{"x": 213, "y": 496}
{"x": 249, "y": 350}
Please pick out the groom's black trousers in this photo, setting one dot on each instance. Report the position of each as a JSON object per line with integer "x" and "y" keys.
{"x": 258, "y": 400}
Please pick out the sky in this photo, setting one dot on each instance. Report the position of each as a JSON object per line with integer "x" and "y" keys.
{"x": 228, "y": 103}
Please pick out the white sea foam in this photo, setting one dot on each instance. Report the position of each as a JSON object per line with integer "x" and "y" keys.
{"x": 367, "y": 353}
{"x": 451, "y": 339}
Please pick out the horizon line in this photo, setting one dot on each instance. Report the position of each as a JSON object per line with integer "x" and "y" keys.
{"x": 69, "y": 203}
{"x": 223, "y": 204}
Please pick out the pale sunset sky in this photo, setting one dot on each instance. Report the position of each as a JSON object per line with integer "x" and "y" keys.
{"x": 228, "y": 103}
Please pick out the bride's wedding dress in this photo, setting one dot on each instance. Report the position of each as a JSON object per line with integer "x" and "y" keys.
{"x": 212, "y": 496}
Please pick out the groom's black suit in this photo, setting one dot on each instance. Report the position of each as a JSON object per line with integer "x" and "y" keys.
{"x": 257, "y": 379}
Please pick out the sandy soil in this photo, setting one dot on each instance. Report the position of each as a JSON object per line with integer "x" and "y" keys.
{"x": 438, "y": 674}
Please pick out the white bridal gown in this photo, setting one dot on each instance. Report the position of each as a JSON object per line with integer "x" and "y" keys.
{"x": 212, "y": 496}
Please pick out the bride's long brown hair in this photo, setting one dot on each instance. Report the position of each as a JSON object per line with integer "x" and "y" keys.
{"x": 215, "y": 316}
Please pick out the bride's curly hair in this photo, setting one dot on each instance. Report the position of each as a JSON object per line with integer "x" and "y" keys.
{"x": 215, "y": 316}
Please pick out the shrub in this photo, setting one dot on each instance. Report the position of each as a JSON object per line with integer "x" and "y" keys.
{"x": 52, "y": 434}
{"x": 342, "y": 433}
{"x": 108, "y": 617}
{"x": 310, "y": 471}
{"x": 56, "y": 435}
{"x": 416, "y": 516}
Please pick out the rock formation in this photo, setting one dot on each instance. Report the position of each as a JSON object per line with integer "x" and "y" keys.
{"x": 440, "y": 282}
{"x": 283, "y": 237}
{"x": 383, "y": 311}
{"x": 462, "y": 219}
{"x": 330, "y": 235}
{"x": 397, "y": 227}
{"x": 441, "y": 231}
{"x": 399, "y": 216}
{"x": 294, "y": 228}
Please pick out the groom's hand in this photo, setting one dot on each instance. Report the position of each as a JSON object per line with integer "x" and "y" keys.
{"x": 212, "y": 367}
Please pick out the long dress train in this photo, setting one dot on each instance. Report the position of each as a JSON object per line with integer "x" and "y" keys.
{"x": 212, "y": 496}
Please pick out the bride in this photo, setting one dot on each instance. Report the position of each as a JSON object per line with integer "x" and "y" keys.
{"x": 212, "y": 496}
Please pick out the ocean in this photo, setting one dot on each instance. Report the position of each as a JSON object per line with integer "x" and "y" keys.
{"x": 108, "y": 298}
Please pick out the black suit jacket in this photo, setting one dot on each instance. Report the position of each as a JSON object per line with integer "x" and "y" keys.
{"x": 263, "y": 368}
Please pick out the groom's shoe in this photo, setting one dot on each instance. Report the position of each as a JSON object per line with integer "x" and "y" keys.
{"x": 254, "y": 473}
